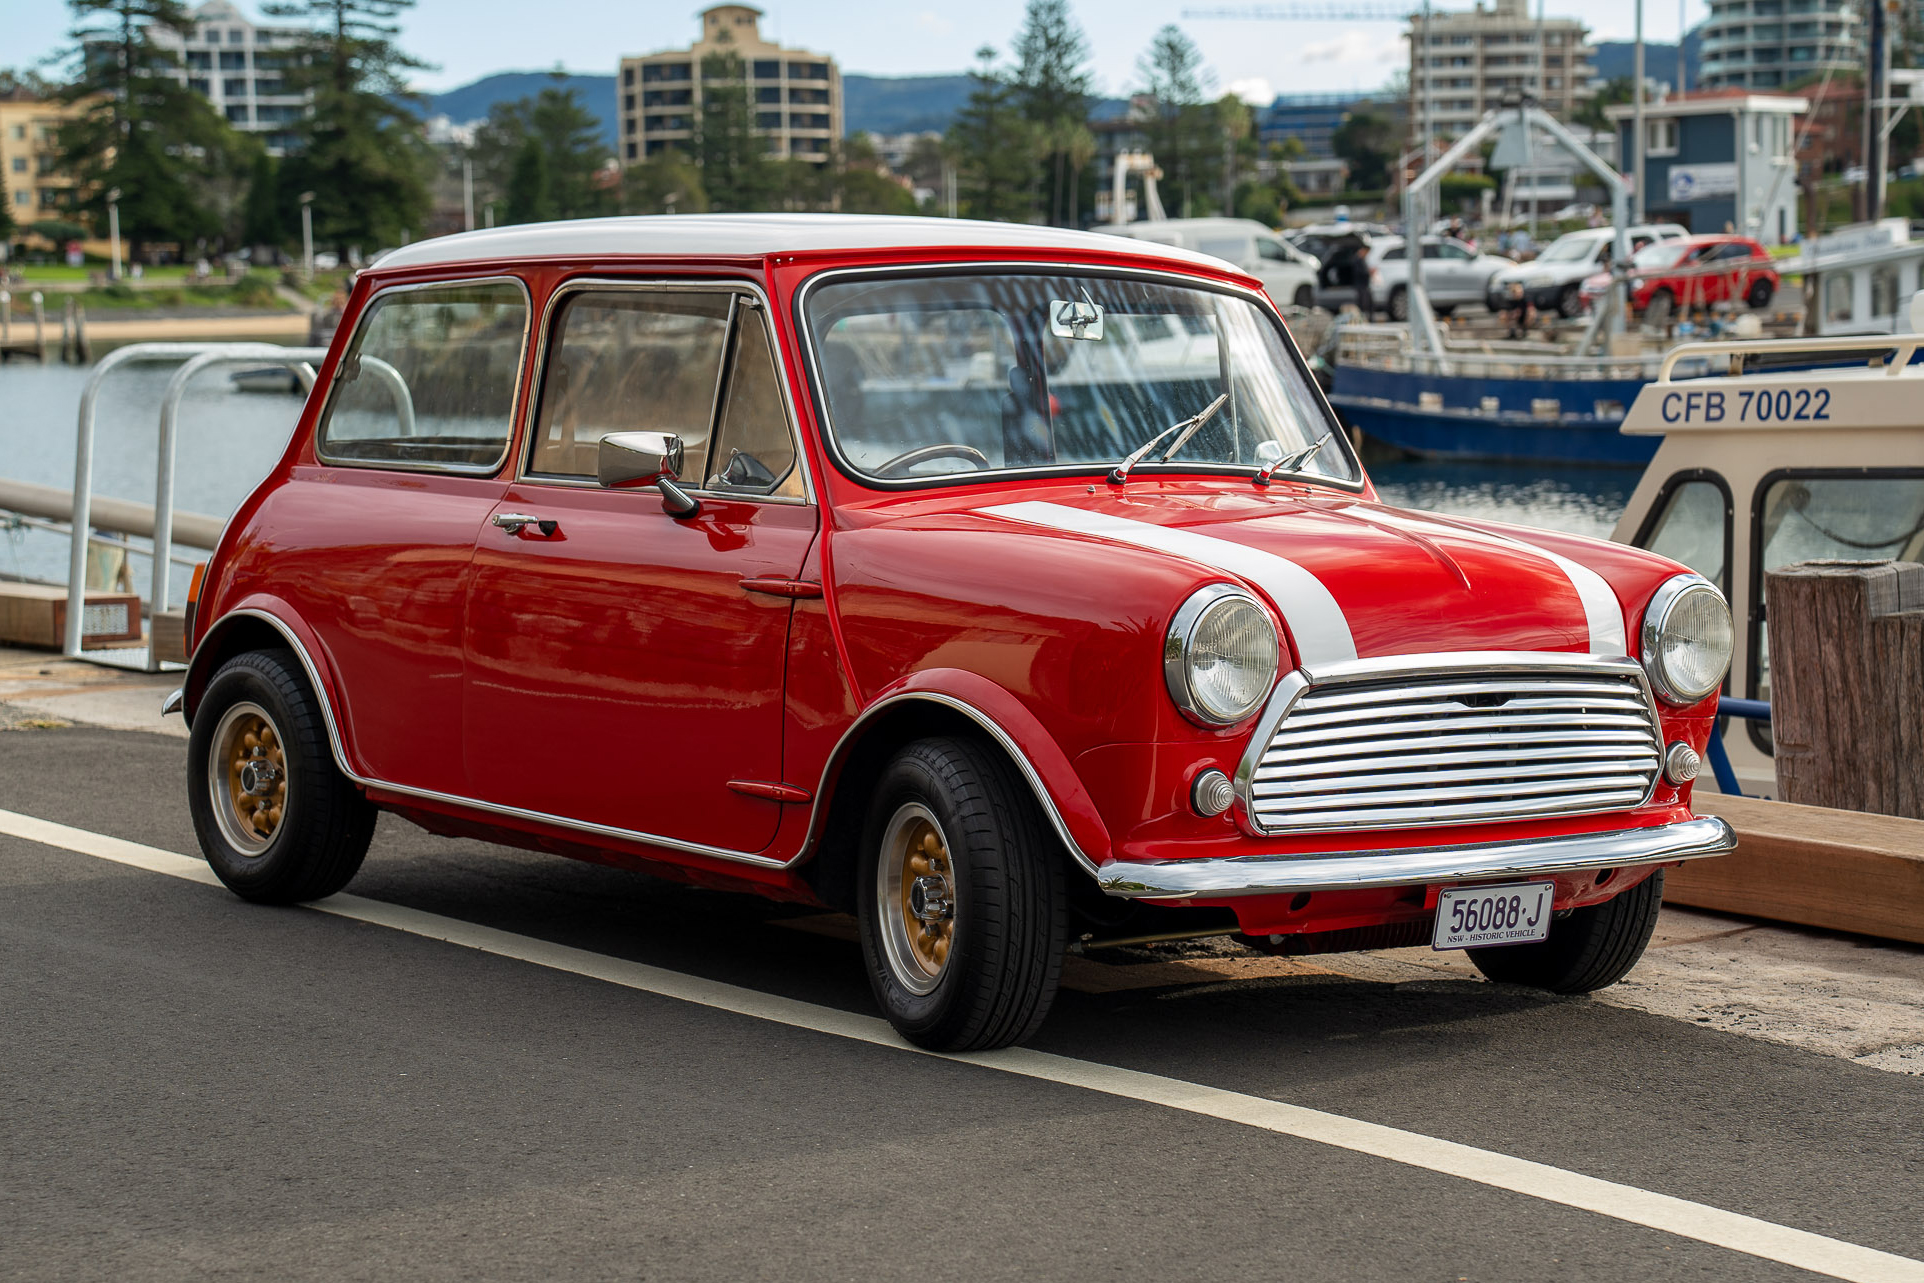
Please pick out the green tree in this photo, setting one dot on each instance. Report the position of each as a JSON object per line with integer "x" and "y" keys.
{"x": 1179, "y": 123}
{"x": 530, "y": 186}
{"x": 1611, "y": 92}
{"x": 568, "y": 136}
{"x": 666, "y": 183}
{"x": 8, "y": 228}
{"x": 1366, "y": 138}
{"x": 864, "y": 186}
{"x": 992, "y": 147}
{"x": 360, "y": 149}
{"x": 1052, "y": 87}
{"x": 154, "y": 140}
{"x": 264, "y": 218}
{"x": 735, "y": 169}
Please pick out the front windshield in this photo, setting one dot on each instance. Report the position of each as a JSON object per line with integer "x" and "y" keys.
{"x": 1658, "y": 254}
{"x": 1570, "y": 249}
{"x": 956, "y": 375}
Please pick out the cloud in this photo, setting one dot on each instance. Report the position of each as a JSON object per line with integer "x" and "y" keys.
{"x": 933, "y": 23}
{"x": 1254, "y": 90}
{"x": 1353, "y": 46}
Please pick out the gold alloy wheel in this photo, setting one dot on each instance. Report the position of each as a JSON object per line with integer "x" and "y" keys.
{"x": 247, "y": 777}
{"x": 915, "y": 894}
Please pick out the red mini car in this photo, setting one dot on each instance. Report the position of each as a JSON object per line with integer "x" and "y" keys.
{"x": 1694, "y": 272}
{"x": 1010, "y": 588}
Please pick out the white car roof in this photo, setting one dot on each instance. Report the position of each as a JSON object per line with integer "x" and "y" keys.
{"x": 757, "y": 235}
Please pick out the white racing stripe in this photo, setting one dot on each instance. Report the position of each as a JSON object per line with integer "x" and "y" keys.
{"x": 1699, "y": 1221}
{"x": 1316, "y": 623}
{"x": 1601, "y": 610}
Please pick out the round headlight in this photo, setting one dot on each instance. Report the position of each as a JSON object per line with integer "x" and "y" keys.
{"x": 1686, "y": 639}
{"x": 1219, "y": 657}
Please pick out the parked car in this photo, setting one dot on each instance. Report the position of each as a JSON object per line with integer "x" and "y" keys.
{"x": 1317, "y": 239}
{"x": 999, "y": 585}
{"x": 1454, "y": 274}
{"x": 1286, "y": 272}
{"x": 1554, "y": 279}
{"x": 1697, "y": 270}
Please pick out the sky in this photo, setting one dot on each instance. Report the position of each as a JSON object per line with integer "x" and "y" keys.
{"x": 468, "y": 39}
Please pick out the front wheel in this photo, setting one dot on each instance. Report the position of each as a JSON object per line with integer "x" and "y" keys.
{"x": 1570, "y": 301}
{"x": 962, "y": 903}
{"x": 1591, "y": 949}
{"x": 1305, "y": 297}
{"x": 276, "y": 819}
{"x": 1759, "y": 296}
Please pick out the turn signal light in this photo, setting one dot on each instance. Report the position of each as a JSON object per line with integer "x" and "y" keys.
{"x": 193, "y": 600}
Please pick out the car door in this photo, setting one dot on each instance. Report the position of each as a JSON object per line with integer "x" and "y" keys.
{"x": 379, "y": 534}
{"x": 625, "y": 665}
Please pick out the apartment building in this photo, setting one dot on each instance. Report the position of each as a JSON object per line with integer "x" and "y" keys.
{"x": 1769, "y": 44}
{"x": 1467, "y": 61}
{"x": 797, "y": 93}
{"x": 237, "y": 65}
{"x": 36, "y": 188}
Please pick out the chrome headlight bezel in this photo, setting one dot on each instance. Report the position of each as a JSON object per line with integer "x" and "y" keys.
{"x": 1656, "y": 619}
{"x": 1177, "y": 654}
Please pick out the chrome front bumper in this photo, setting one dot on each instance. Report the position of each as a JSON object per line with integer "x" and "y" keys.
{"x": 1415, "y": 866}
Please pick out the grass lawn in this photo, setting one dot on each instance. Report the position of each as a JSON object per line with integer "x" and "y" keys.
{"x": 61, "y": 274}
{"x": 254, "y": 291}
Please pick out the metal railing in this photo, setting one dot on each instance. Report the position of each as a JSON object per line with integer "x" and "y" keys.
{"x": 1901, "y": 346}
{"x": 197, "y": 357}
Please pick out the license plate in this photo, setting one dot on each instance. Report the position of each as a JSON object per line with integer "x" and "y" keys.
{"x": 1470, "y": 917}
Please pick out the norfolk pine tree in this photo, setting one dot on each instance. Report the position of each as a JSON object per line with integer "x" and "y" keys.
{"x": 1180, "y": 124}
{"x": 993, "y": 147}
{"x": 567, "y": 137}
{"x": 1052, "y": 85}
{"x": 735, "y": 169}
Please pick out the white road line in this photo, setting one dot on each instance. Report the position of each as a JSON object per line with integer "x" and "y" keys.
{"x": 1746, "y": 1234}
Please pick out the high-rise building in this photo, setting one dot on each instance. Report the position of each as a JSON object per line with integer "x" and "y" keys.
{"x": 237, "y": 65}
{"x": 1770, "y": 44}
{"x": 797, "y": 94}
{"x": 1466, "y": 62}
{"x": 37, "y": 188}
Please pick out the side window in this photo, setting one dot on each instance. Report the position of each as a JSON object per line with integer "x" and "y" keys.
{"x": 1692, "y": 526}
{"x": 429, "y": 380}
{"x": 629, "y": 360}
{"x": 1273, "y": 250}
{"x": 754, "y": 450}
{"x": 1453, "y": 250}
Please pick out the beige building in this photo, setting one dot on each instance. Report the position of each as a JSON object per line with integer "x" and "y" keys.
{"x": 797, "y": 94}
{"x": 1468, "y": 61}
{"x": 35, "y": 188}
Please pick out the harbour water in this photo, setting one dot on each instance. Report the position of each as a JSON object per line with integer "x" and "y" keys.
{"x": 229, "y": 440}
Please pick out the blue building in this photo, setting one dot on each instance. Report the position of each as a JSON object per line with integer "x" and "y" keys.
{"x": 1312, "y": 118}
{"x": 1715, "y": 159}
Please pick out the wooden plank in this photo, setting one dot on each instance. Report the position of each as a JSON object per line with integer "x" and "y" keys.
{"x": 36, "y": 614}
{"x": 167, "y": 634}
{"x": 1810, "y": 865}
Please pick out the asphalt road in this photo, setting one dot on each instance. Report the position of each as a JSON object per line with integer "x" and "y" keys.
{"x": 194, "y": 1087}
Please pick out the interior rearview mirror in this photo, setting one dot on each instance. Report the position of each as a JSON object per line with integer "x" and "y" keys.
{"x": 633, "y": 460}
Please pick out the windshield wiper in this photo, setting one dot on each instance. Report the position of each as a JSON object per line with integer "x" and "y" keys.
{"x": 1294, "y": 462}
{"x": 1187, "y": 427}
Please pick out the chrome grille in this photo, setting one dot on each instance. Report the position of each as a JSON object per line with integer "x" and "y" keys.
{"x": 1455, "y": 747}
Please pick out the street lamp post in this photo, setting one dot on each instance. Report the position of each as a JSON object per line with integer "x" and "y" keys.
{"x": 467, "y": 193}
{"x": 113, "y": 225}
{"x": 307, "y": 234}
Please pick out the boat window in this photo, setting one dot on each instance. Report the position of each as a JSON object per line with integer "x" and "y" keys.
{"x": 956, "y": 374}
{"x": 754, "y": 450}
{"x": 1884, "y": 290}
{"x": 1691, "y": 524}
{"x": 429, "y": 380}
{"x": 1837, "y": 296}
{"x": 629, "y": 360}
{"x": 1865, "y": 516}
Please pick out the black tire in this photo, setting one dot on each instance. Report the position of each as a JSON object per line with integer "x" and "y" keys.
{"x": 1305, "y": 297}
{"x": 1759, "y": 295}
{"x": 1399, "y": 308}
{"x": 321, "y": 824}
{"x": 1007, "y": 930}
{"x": 1663, "y": 304}
{"x": 1570, "y": 300}
{"x": 1591, "y": 949}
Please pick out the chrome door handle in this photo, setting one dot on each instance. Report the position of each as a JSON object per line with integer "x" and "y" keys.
{"x": 516, "y": 522}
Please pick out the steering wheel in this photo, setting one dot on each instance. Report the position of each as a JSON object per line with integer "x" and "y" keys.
{"x": 899, "y": 466}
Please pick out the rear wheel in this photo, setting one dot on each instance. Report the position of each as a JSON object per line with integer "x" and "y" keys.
{"x": 1591, "y": 949}
{"x": 1305, "y": 297}
{"x": 1759, "y": 295}
{"x": 963, "y": 908}
{"x": 1570, "y": 301}
{"x": 276, "y": 819}
{"x": 1399, "y": 304}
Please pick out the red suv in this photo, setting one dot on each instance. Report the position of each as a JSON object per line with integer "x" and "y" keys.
{"x": 1000, "y": 585}
{"x": 1694, "y": 272}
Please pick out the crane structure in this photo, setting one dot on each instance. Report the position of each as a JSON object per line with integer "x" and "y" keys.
{"x": 1306, "y": 11}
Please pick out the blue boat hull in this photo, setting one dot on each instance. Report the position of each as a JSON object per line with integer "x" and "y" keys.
{"x": 1389, "y": 406}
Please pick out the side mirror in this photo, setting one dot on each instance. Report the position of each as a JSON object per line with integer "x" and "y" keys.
{"x": 634, "y": 460}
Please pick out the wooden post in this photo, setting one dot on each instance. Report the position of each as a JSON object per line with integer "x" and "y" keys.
{"x": 1847, "y": 684}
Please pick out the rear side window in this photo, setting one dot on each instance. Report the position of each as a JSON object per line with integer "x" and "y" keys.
{"x": 429, "y": 381}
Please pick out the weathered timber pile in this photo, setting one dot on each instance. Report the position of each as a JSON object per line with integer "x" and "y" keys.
{"x": 1847, "y": 684}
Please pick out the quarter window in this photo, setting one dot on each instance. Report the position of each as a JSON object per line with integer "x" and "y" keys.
{"x": 754, "y": 451}
{"x": 429, "y": 381}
